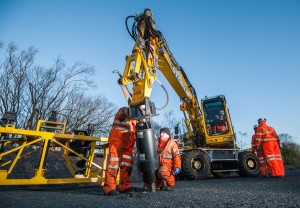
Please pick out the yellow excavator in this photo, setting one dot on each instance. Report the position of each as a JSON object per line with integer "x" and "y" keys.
{"x": 209, "y": 146}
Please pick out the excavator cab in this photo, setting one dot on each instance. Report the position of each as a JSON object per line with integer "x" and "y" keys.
{"x": 218, "y": 128}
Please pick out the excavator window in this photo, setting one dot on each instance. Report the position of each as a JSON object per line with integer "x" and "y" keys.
{"x": 215, "y": 118}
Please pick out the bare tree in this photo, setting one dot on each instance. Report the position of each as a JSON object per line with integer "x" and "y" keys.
{"x": 170, "y": 121}
{"x": 155, "y": 127}
{"x": 13, "y": 78}
{"x": 286, "y": 138}
{"x": 48, "y": 88}
{"x": 243, "y": 143}
{"x": 289, "y": 149}
{"x": 33, "y": 91}
{"x": 80, "y": 111}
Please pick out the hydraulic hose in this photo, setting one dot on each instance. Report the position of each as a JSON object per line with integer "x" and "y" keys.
{"x": 132, "y": 35}
{"x": 166, "y": 94}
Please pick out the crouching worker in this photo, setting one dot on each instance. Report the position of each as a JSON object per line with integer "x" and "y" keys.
{"x": 120, "y": 144}
{"x": 169, "y": 160}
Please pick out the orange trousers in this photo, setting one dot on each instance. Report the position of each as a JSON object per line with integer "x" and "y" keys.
{"x": 270, "y": 159}
{"x": 165, "y": 174}
{"x": 120, "y": 156}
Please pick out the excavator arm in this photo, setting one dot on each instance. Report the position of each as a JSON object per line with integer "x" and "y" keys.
{"x": 151, "y": 53}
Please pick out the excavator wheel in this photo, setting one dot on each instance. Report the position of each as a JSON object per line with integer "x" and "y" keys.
{"x": 195, "y": 165}
{"x": 248, "y": 164}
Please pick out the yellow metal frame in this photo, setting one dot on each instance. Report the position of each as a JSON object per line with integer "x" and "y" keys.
{"x": 56, "y": 138}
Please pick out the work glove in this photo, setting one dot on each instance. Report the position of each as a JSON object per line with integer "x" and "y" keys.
{"x": 176, "y": 171}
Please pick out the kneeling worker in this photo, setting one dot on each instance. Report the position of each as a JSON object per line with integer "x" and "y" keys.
{"x": 169, "y": 160}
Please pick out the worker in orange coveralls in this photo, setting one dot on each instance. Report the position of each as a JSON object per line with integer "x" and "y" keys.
{"x": 120, "y": 143}
{"x": 254, "y": 139}
{"x": 169, "y": 160}
{"x": 268, "y": 148}
{"x": 220, "y": 126}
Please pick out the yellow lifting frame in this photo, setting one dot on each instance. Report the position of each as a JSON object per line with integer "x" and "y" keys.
{"x": 40, "y": 138}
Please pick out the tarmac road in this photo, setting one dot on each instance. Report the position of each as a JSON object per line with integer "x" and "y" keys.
{"x": 234, "y": 191}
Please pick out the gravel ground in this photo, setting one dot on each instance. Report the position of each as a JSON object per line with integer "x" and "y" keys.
{"x": 214, "y": 192}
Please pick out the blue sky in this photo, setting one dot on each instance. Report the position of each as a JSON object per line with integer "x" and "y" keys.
{"x": 248, "y": 50}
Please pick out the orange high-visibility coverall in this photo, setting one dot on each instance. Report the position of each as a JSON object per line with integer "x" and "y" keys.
{"x": 169, "y": 158}
{"x": 220, "y": 126}
{"x": 268, "y": 150}
{"x": 120, "y": 143}
{"x": 253, "y": 143}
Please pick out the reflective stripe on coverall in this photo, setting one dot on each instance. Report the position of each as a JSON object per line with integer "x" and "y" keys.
{"x": 169, "y": 158}
{"x": 120, "y": 143}
{"x": 269, "y": 155}
{"x": 253, "y": 143}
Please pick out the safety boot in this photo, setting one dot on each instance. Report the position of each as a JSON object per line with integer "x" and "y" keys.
{"x": 111, "y": 193}
{"x": 128, "y": 190}
{"x": 169, "y": 188}
{"x": 162, "y": 185}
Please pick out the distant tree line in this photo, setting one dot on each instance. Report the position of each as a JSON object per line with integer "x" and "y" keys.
{"x": 32, "y": 91}
{"x": 290, "y": 150}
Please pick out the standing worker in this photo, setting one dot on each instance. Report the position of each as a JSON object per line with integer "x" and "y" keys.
{"x": 120, "y": 143}
{"x": 268, "y": 147}
{"x": 254, "y": 139}
{"x": 169, "y": 160}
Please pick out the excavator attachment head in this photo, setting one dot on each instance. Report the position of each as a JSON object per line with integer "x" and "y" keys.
{"x": 145, "y": 110}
